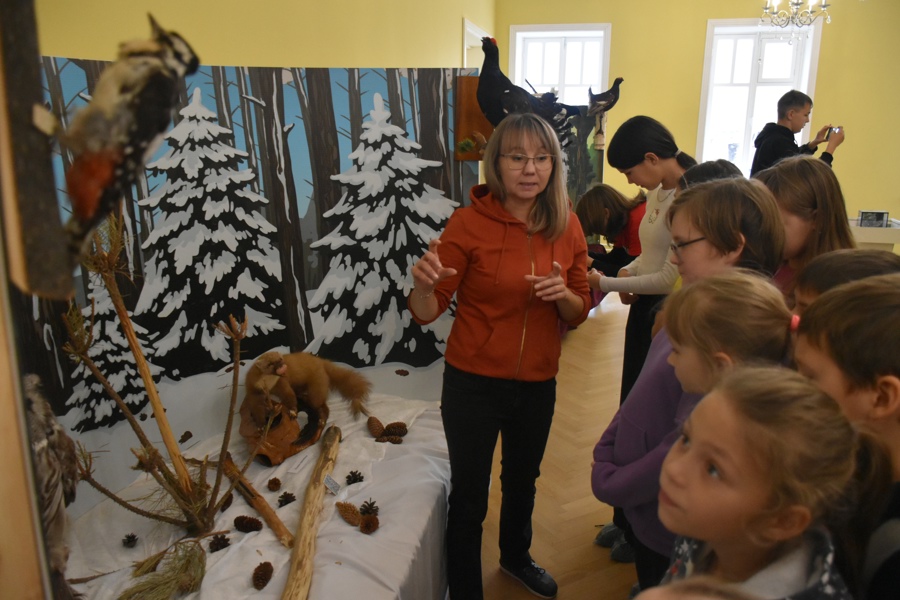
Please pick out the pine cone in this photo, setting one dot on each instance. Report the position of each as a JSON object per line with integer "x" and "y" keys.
{"x": 219, "y": 542}
{"x": 246, "y": 524}
{"x": 368, "y": 524}
{"x": 130, "y": 540}
{"x": 262, "y": 574}
{"x": 274, "y": 484}
{"x": 285, "y": 499}
{"x": 394, "y": 439}
{"x": 396, "y": 428}
{"x": 368, "y": 508}
{"x": 348, "y": 512}
{"x": 228, "y": 500}
{"x": 375, "y": 427}
{"x": 354, "y": 477}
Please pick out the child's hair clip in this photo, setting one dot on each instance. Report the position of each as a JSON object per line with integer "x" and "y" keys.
{"x": 795, "y": 323}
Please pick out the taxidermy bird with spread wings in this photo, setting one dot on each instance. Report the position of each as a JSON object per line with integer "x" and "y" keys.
{"x": 498, "y": 96}
{"x": 111, "y": 138}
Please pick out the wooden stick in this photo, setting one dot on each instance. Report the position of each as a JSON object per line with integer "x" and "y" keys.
{"x": 300, "y": 575}
{"x": 159, "y": 412}
{"x": 255, "y": 500}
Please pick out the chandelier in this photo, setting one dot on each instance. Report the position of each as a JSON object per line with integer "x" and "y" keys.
{"x": 796, "y": 13}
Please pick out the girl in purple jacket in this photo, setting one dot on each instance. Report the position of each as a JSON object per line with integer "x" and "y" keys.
{"x": 715, "y": 227}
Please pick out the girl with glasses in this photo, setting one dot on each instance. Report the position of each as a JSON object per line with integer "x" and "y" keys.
{"x": 515, "y": 259}
{"x": 741, "y": 227}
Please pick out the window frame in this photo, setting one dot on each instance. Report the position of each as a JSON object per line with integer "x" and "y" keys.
{"x": 807, "y": 64}
{"x": 516, "y": 48}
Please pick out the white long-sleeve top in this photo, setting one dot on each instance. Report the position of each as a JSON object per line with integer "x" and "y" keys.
{"x": 651, "y": 272}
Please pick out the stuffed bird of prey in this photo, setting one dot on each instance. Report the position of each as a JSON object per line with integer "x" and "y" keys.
{"x": 56, "y": 475}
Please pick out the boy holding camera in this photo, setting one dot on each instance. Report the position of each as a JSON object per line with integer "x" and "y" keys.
{"x": 776, "y": 140}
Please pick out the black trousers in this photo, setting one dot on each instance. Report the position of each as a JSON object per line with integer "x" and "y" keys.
{"x": 650, "y": 565}
{"x": 637, "y": 340}
{"x": 610, "y": 262}
{"x": 475, "y": 410}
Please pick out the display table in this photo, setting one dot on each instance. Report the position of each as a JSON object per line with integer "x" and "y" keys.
{"x": 876, "y": 238}
{"x": 403, "y": 559}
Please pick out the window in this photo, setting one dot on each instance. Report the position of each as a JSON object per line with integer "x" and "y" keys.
{"x": 748, "y": 67}
{"x": 566, "y": 58}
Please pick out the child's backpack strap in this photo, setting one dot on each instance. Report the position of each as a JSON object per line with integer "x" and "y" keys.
{"x": 884, "y": 543}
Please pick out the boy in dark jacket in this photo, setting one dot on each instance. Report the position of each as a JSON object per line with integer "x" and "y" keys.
{"x": 776, "y": 140}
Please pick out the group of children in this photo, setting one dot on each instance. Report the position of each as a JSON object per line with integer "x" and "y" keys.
{"x": 758, "y": 451}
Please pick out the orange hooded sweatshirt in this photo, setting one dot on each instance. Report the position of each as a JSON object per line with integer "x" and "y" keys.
{"x": 502, "y": 329}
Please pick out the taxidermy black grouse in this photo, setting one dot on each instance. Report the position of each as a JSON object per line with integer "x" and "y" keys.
{"x": 602, "y": 102}
{"x": 498, "y": 96}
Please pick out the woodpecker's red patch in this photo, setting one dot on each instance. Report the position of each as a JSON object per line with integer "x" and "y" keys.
{"x": 89, "y": 175}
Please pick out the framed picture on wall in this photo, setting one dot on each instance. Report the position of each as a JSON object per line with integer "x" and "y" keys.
{"x": 873, "y": 218}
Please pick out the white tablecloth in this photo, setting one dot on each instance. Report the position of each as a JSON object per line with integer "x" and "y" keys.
{"x": 403, "y": 559}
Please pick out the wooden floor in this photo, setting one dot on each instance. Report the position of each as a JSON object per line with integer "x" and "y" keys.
{"x": 567, "y": 516}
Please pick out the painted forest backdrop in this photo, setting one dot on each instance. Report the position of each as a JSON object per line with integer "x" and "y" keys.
{"x": 299, "y": 197}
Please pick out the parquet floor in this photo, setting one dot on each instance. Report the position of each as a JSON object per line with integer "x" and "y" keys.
{"x": 566, "y": 513}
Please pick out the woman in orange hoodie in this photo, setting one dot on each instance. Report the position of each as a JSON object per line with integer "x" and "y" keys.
{"x": 515, "y": 259}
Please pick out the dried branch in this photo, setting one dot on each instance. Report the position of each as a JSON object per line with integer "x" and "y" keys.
{"x": 104, "y": 261}
{"x": 80, "y": 351}
{"x": 85, "y": 471}
{"x": 236, "y": 333}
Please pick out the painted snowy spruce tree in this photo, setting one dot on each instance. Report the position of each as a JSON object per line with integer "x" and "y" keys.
{"x": 383, "y": 223}
{"x": 112, "y": 356}
{"x": 210, "y": 252}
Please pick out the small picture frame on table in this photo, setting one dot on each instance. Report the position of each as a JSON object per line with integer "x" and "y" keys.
{"x": 873, "y": 218}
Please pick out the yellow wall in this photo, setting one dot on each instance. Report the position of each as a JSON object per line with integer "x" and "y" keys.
{"x": 304, "y": 33}
{"x": 658, "y": 47}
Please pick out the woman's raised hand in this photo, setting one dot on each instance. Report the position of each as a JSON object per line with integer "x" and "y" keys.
{"x": 428, "y": 270}
{"x": 549, "y": 287}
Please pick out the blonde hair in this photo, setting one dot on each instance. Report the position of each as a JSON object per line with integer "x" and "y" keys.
{"x": 812, "y": 457}
{"x": 800, "y": 437}
{"x": 738, "y": 313}
{"x": 550, "y": 213}
{"x": 807, "y": 187}
{"x": 729, "y": 212}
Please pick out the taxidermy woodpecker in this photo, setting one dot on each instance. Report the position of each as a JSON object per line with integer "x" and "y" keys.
{"x": 56, "y": 475}
{"x": 112, "y": 137}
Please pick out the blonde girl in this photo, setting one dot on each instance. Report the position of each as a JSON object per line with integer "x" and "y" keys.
{"x": 764, "y": 462}
{"x": 719, "y": 322}
{"x": 716, "y": 227}
{"x": 812, "y": 207}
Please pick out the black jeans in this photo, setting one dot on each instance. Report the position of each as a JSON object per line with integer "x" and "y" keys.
{"x": 651, "y": 566}
{"x": 641, "y": 315}
{"x": 610, "y": 263}
{"x": 475, "y": 409}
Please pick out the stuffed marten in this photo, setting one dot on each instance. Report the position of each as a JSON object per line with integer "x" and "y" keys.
{"x": 301, "y": 381}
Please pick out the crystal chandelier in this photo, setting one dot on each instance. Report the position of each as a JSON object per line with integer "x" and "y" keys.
{"x": 796, "y": 13}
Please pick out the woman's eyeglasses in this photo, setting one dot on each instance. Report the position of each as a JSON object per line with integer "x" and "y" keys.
{"x": 677, "y": 246}
{"x": 517, "y": 162}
